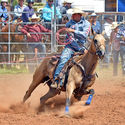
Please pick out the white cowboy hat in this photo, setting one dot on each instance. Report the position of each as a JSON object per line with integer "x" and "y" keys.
{"x": 68, "y": 1}
{"x": 34, "y": 17}
{"x": 114, "y": 25}
{"x": 75, "y": 10}
{"x": 93, "y": 15}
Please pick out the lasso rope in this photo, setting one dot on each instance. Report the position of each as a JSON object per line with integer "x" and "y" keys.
{"x": 66, "y": 41}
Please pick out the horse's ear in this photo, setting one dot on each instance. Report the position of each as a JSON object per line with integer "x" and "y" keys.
{"x": 103, "y": 32}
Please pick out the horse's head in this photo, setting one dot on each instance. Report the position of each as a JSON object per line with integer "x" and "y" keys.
{"x": 99, "y": 45}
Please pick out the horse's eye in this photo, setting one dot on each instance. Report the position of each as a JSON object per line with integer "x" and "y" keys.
{"x": 95, "y": 41}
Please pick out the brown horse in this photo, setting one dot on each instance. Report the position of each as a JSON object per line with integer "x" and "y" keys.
{"x": 80, "y": 76}
{"x": 14, "y": 37}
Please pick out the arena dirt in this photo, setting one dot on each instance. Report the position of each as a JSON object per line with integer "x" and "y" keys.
{"x": 107, "y": 108}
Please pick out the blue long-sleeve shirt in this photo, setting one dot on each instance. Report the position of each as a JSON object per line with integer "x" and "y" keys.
{"x": 78, "y": 38}
{"x": 3, "y": 13}
{"x": 27, "y": 12}
{"x": 97, "y": 27}
{"x": 48, "y": 12}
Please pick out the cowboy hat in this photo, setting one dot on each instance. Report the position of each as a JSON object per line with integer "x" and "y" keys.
{"x": 75, "y": 10}
{"x": 68, "y": 1}
{"x": 114, "y": 25}
{"x": 34, "y": 17}
{"x": 93, "y": 15}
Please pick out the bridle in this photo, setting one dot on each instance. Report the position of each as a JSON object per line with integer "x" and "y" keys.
{"x": 97, "y": 47}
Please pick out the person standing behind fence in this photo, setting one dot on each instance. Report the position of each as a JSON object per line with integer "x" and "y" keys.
{"x": 66, "y": 5}
{"x": 28, "y": 11}
{"x": 121, "y": 36}
{"x": 32, "y": 32}
{"x": 48, "y": 11}
{"x": 3, "y": 11}
{"x": 18, "y": 9}
{"x": 95, "y": 25}
{"x": 115, "y": 42}
{"x": 107, "y": 32}
{"x": 64, "y": 10}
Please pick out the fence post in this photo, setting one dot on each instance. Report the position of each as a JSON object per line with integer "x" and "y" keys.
{"x": 9, "y": 40}
{"x": 53, "y": 28}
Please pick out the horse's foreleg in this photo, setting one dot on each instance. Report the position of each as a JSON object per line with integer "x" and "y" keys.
{"x": 51, "y": 93}
{"x": 69, "y": 90}
{"x": 32, "y": 86}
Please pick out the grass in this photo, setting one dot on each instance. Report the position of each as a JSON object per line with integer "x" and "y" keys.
{"x": 13, "y": 70}
{"x": 101, "y": 71}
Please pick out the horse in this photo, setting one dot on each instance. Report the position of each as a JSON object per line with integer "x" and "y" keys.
{"x": 78, "y": 77}
{"x": 14, "y": 37}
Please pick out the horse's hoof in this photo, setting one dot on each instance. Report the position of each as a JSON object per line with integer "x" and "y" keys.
{"x": 67, "y": 115}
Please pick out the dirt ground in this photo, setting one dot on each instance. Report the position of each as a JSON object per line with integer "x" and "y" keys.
{"x": 107, "y": 107}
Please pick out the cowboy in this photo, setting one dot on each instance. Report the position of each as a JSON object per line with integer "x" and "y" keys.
{"x": 48, "y": 11}
{"x": 66, "y": 5}
{"x": 115, "y": 42}
{"x": 95, "y": 25}
{"x": 18, "y": 9}
{"x": 28, "y": 11}
{"x": 78, "y": 28}
{"x": 3, "y": 10}
{"x": 64, "y": 11}
{"x": 32, "y": 32}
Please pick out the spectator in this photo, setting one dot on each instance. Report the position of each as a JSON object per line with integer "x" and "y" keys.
{"x": 64, "y": 10}
{"x": 95, "y": 25}
{"x": 115, "y": 42}
{"x": 28, "y": 11}
{"x": 107, "y": 32}
{"x": 48, "y": 11}
{"x": 66, "y": 6}
{"x": 18, "y": 9}
{"x": 121, "y": 36}
{"x": 3, "y": 11}
{"x": 78, "y": 29}
{"x": 32, "y": 32}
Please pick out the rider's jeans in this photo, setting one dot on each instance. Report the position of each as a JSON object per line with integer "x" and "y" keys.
{"x": 65, "y": 56}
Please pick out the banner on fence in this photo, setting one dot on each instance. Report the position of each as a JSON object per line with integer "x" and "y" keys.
{"x": 121, "y": 5}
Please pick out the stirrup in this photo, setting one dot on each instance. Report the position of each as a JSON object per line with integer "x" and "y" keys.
{"x": 54, "y": 85}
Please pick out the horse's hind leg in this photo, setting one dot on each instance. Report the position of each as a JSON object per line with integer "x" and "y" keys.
{"x": 51, "y": 93}
{"x": 32, "y": 86}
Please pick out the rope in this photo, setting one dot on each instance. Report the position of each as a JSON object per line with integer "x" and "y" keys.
{"x": 65, "y": 41}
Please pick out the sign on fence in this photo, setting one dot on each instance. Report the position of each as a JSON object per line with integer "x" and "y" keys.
{"x": 121, "y": 5}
